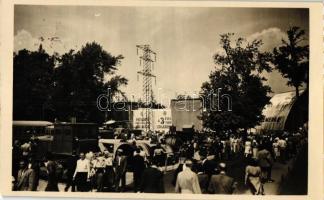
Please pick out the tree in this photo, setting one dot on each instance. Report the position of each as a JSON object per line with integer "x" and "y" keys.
{"x": 80, "y": 78}
{"x": 32, "y": 84}
{"x": 291, "y": 59}
{"x": 235, "y": 94}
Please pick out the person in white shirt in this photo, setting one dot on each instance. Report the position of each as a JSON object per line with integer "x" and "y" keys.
{"x": 82, "y": 173}
{"x": 187, "y": 180}
{"x": 99, "y": 165}
{"x": 231, "y": 142}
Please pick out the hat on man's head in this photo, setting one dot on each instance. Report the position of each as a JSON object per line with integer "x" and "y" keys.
{"x": 188, "y": 163}
{"x": 120, "y": 150}
{"x": 222, "y": 166}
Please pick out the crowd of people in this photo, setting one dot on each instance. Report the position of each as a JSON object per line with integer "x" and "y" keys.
{"x": 203, "y": 165}
{"x": 258, "y": 154}
{"x": 100, "y": 171}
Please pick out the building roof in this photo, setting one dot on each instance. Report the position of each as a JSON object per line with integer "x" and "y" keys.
{"x": 276, "y": 113}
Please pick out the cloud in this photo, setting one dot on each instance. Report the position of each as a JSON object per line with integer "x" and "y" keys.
{"x": 25, "y": 40}
{"x": 270, "y": 37}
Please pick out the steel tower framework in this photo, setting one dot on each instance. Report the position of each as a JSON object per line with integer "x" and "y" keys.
{"x": 147, "y": 58}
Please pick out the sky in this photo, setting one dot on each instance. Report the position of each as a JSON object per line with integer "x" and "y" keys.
{"x": 185, "y": 39}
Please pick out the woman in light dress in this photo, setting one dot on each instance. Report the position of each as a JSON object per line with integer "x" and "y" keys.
{"x": 248, "y": 148}
{"x": 276, "y": 150}
{"x": 255, "y": 148}
{"x": 253, "y": 178}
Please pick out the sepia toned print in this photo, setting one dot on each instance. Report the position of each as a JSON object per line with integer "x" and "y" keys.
{"x": 161, "y": 100}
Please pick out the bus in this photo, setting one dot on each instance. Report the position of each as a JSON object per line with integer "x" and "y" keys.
{"x": 59, "y": 138}
{"x": 23, "y": 131}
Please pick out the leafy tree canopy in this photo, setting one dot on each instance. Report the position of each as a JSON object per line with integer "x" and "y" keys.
{"x": 235, "y": 94}
{"x": 32, "y": 83}
{"x": 48, "y": 87}
{"x": 81, "y": 77}
{"x": 291, "y": 58}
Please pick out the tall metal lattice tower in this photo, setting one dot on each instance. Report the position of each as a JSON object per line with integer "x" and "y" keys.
{"x": 147, "y": 58}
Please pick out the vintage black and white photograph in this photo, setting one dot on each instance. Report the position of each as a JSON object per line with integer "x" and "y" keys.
{"x": 157, "y": 99}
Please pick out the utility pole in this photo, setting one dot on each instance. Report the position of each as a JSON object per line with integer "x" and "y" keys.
{"x": 147, "y": 58}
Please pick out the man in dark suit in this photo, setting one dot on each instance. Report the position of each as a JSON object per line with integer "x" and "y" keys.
{"x": 16, "y": 157}
{"x": 221, "y": 183}
{"x": 208, "y": 166}
{"x": 70, "y": 166}
{"x": 265, "y": 161}
{"x": 203, "y": 182}
{"x": 178, "y": 170}
{"x": 35, "y": 166}
{"x": 152, "y": 180}
{"x": 120, "y": 170}
{"x": 25, "y": 178}
{"x": 138, "y": 168}
{"x": 51, "y": 166}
